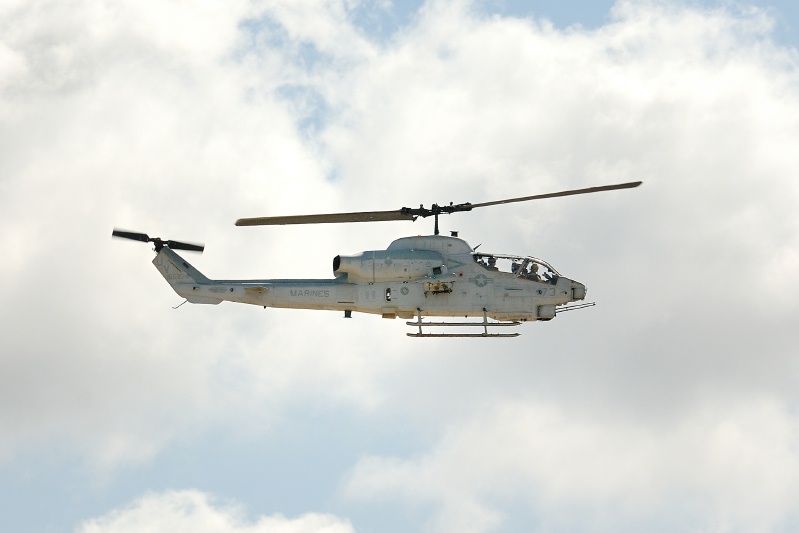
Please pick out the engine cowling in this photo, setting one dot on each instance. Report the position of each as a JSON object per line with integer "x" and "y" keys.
{"x": 396, "y": 265}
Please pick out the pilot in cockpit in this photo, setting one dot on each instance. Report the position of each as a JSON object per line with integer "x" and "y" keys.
{"x": 533, "y": 273}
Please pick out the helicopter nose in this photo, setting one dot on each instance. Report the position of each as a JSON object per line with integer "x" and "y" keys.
{"x": 578, "y": 291}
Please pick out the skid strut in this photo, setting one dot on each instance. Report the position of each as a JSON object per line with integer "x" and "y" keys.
{"x": 485, "y": 324}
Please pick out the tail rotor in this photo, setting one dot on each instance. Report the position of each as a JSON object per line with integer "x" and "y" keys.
{"x": 157, "y": 241}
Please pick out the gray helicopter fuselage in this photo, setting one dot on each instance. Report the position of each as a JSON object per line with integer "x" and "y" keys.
{"x": 415, "y": 276}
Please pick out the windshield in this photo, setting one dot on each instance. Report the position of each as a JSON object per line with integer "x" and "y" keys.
{"x": 527, "y": 267}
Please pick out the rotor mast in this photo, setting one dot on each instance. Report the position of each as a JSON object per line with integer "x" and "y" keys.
{"x": 436, "y": 210}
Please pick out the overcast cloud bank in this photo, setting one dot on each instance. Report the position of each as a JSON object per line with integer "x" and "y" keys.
{"x": 671, "y": 405}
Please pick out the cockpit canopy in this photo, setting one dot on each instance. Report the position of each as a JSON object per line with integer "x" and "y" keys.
{"x": 525, "y": 267}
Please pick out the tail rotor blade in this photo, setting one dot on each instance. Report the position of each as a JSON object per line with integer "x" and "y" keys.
{"x": 177, "y": 245}
{"x": 143, "y": 237}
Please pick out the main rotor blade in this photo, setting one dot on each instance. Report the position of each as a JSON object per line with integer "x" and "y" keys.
{"x": 331, "y": 218}
{"x": 411, "y": 214}
{"x": 573, "y": 192}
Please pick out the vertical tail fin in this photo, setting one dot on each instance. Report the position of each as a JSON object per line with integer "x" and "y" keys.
{"x": 184, "y": 278}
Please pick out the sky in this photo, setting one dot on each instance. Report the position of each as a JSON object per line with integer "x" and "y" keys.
{"x": 671, "y": 405}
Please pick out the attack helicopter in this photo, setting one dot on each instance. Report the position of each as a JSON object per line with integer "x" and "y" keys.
{"x": 414, "y": 278}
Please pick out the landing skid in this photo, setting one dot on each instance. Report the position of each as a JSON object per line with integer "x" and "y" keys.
{"x": 485, "y": 324}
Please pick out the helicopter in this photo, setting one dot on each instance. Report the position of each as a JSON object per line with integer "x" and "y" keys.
{"x": 413, "y": 278}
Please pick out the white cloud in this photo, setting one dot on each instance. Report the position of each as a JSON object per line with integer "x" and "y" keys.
{"x": 692, "y": 271}
{"x": 197, "y": 512}
{"x": 324, "y": 24}
{"x": 699, "y": 104}
{"x": 728, "y": 466}
{"x": 155, "y": 119}
{"x": 177, "y": 129}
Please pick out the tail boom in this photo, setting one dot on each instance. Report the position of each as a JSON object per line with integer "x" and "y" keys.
{"x": 191, "y": 284}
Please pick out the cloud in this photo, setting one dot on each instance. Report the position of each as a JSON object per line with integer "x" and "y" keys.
{"x": 724, "y": 466}
{"x": 199, "y": 512}
{"x": 675, "y": 393}
{"x": 691, "y": 271}
{"x": 128, "y": 121}
{"x": 700, "y": 104}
